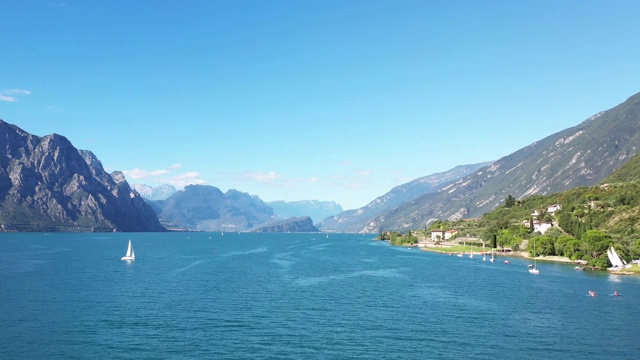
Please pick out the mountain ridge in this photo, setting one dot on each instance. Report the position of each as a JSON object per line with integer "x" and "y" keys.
{"x": 46, "y": 184}
{"x": 354, "y": 220}
{"x": 582, "y": 155}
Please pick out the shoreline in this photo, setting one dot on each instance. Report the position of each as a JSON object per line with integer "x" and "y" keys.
{"x": 517, "y": 254}
{"x": 525, "y": 255}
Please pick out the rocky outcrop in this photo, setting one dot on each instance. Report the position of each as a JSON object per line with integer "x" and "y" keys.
{"x": 46, "y": 184}
{"x": 300, "y": 224}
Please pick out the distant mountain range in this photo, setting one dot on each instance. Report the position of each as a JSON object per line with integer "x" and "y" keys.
{"x": 582, "y": 155}
{"x": 300, "y": 224}
{"x": 206, "y": 208}
{"x": 160, "y": 192}
{"x": 46, "y": 184}
{"x": 316, "y": 210}
{"x": 356, "y": 220}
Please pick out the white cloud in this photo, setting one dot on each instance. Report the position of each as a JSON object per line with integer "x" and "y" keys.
{"x": 142, "y": 174}
{"x": 188, "y": 178}
{"x": 17, "y": 92}
{"x": 12, "y": 95}
{"x": 160, "y": 176}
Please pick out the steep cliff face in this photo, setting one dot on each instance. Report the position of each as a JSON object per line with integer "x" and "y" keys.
{"x": 300, "y": 224}
{"x": 579, "y": 156}
{"x": 46, "y": 184}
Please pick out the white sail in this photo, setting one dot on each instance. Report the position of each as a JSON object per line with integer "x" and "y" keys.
{"x": 618, "y": 261}
{"x": 615, "y": 259}
{"x": 130, "y": 255}
{"x": 610, "y": 256}
{"x": 615, "y": 254}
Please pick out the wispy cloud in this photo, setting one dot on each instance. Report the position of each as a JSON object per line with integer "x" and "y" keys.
{"x": 142, "y": 174}
{"x": 164, "y": 176}
{"x": 270, "y": 177}
{"x": 354, "y": 179}
{"x": 6, "y": 98}
{"x": 188, "y": 178}
{"x": 12, "y": 95}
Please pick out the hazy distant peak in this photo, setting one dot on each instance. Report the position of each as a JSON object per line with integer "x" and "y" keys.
{"x": 160, "y": 192}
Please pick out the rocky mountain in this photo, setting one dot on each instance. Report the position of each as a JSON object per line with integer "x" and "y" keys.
{"x": 582, "y": 155}
{"x": 206, "y": 208}
{"x": 316, "y": 210}
{"x": 299, "y": 224}
{"x": 355, "y": 220}
{"x": 159, "y": 192}
{"x": 46, "y": 184}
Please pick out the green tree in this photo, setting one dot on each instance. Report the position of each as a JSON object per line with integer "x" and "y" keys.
{"x": 597, "y": 242}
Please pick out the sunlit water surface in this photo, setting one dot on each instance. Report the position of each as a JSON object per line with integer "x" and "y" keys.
{"x": 296, "y": 296}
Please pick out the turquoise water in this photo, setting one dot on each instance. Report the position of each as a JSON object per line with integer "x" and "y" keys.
{"x": 294, "y": 296}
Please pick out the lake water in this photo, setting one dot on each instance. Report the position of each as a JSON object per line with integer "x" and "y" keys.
{"x": 297, "y": 296}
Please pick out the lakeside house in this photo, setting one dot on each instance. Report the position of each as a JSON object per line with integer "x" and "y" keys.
{"x": 539, "y": 226}
{"x": 440, "y": 235}
{"x": 553, "y": 208}
{"x": 550, "y": 210}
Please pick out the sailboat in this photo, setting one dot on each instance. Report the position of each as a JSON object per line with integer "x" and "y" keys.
{"x": 130, "y": 256}
{"x": 616, "y": 260}
{"x": 534, "y": 269}
{"x": 471, "y": 254}
{"x": 484, "y": 253}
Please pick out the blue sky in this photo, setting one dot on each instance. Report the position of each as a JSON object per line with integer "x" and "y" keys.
{"x": 296, "y": 100}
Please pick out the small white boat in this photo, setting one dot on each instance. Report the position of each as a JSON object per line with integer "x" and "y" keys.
{"x": 534, "y": 269}
{"x": 130, "y": 256}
